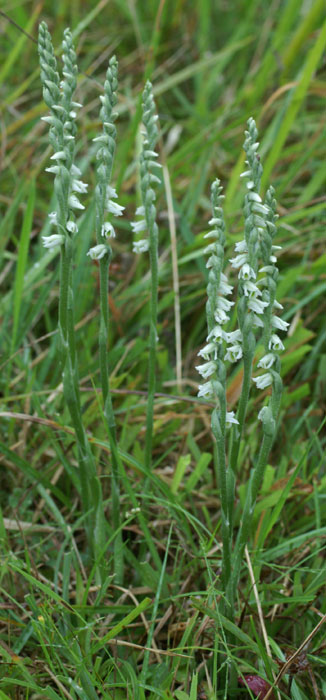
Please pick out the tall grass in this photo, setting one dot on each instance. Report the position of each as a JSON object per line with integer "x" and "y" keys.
{"x": 143, "y": 609}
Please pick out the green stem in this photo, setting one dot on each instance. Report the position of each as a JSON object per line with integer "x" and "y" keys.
{"x": 254, "y": 486}
{"x": 153, "y": 233}
{"x": 109, "y": 416}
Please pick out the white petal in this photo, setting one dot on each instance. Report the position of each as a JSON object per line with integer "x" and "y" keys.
{"x": 279, "y": 323}
{"x": 263, "y": 381}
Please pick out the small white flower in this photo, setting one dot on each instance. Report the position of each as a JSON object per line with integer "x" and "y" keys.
{"x": 54, "y": 169}
{"x": 230, "y": 418}
{"x": 72, "y": 114}
{"x": 246, "y": 272}
{"x": 53, "y": 241}
{"x": 220, "y": 316}
{"x": 53, "y": 216}
{"x": 278, "y": 322}
{"x": 267, "y": 268}
{"x": 138, "y": 226}
{"x": 239, "y": 260}
{"x": 241, "y": 246}
{"x": 141, "y": 246}
{"x": 107, "y": 230}
{"x": 277, "y": 305}
{"x": 250, "y": 289}
{"x": 246, "y": 173}
{"x": 259, "y": 208}
{"x": 215, "y": 222}
{"x": 217, "y": 333}
{"x": 257, "y": 322}
{"x": 267, "y": 361}
{"x": 205, "y": 390}
{"x": 225, "y": 289}
{"x": 275, "y": 343}
{"x": 114, "y": 208}
{"x": 210, "y": 248}
{"x": 257, "y": 305}
{"x": 72, "y": 227}
{"x": 111, "y": 192}
{"x": 254, "y": 197}
{"x": 207, "y": 369}
{"x": 224, "y": 304}
{"x": 140, "y": 211}
{"x": 79, "y": 186}
{"x": 74, "y": 202}
{"x": 263, "y": 381}
{"x": 75, "y": 171}
{"x": 234, "y": 337}
{"x": 234, "y": 353}
{"x": 207, "y": 351}
{"x": 262, "y": 412}
{"x": 97, "y": 252}
{"x": 250, "y": 184}
{"x": 59, "y": 155}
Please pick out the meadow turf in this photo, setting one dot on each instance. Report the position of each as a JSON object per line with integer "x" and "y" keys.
{"x": 157, "y": 632}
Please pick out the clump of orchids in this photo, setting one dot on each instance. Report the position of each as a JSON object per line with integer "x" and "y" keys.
{"x": 258, "y": 324}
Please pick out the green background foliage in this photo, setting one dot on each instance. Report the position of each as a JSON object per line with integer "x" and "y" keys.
{"x": 212, "y": 65}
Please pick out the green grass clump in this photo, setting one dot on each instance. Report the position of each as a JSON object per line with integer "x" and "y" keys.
{"x": 146, "y": 553}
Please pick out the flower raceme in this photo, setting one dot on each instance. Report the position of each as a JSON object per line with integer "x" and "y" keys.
{"x": 255, "y": 263}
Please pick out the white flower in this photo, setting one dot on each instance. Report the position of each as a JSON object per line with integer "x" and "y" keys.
{"x": 234, "y": 353}
{"x": 267, "y": 361}
{"x": 140, "y": 211}
{"x": 138, "y": 226}
{"x": 97, "y": 252}
{"x": 234, "y": 337}
{"x": 72, "y": 227}
{"x": 275, "y": 343}
{"x": 257, "y": 305}
{"x": 75, "y": 171}
{"x": 230, "y": 418}
{"x": 74, "y": 202}
{"x": 246, "y": 272}
{"x": 141, "y": 246}
{"x": 79, "y": 186}
{"x": 262, "y": 412}
{"x": 53, "y": 241}
{"x": 111, "y": 192}
{"x": 207, "y": 351}
{"x": 279, "y": 323}
{"x": 59, "y": 155}
{"x": 53, "y": 216}
{"x": 224, "y": 304}
{"x": 250, "y": 288}
{"x": 263, "y": 381}
{"x": 259, "y": 208}
{"x": 241, "y": 246}
{"x": 257, "y": 322}
{"x": 107, "y": 229}
{"x": 254, "y": 197}
{"x": 217, "y": 333}
{"x": 246, "y": 173}
{"x": 220, "y": 316}
{"x": 207, "y": 369}
{"x": 239, "y": 260}
{"x": 205, "y": 390}
{"x": 277, "y": 305}
{"x": 225, "y": 288}
{"x": 114, "y": 208}
{"x": 54, "y": 169}
{"x": 215, "y": 222}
